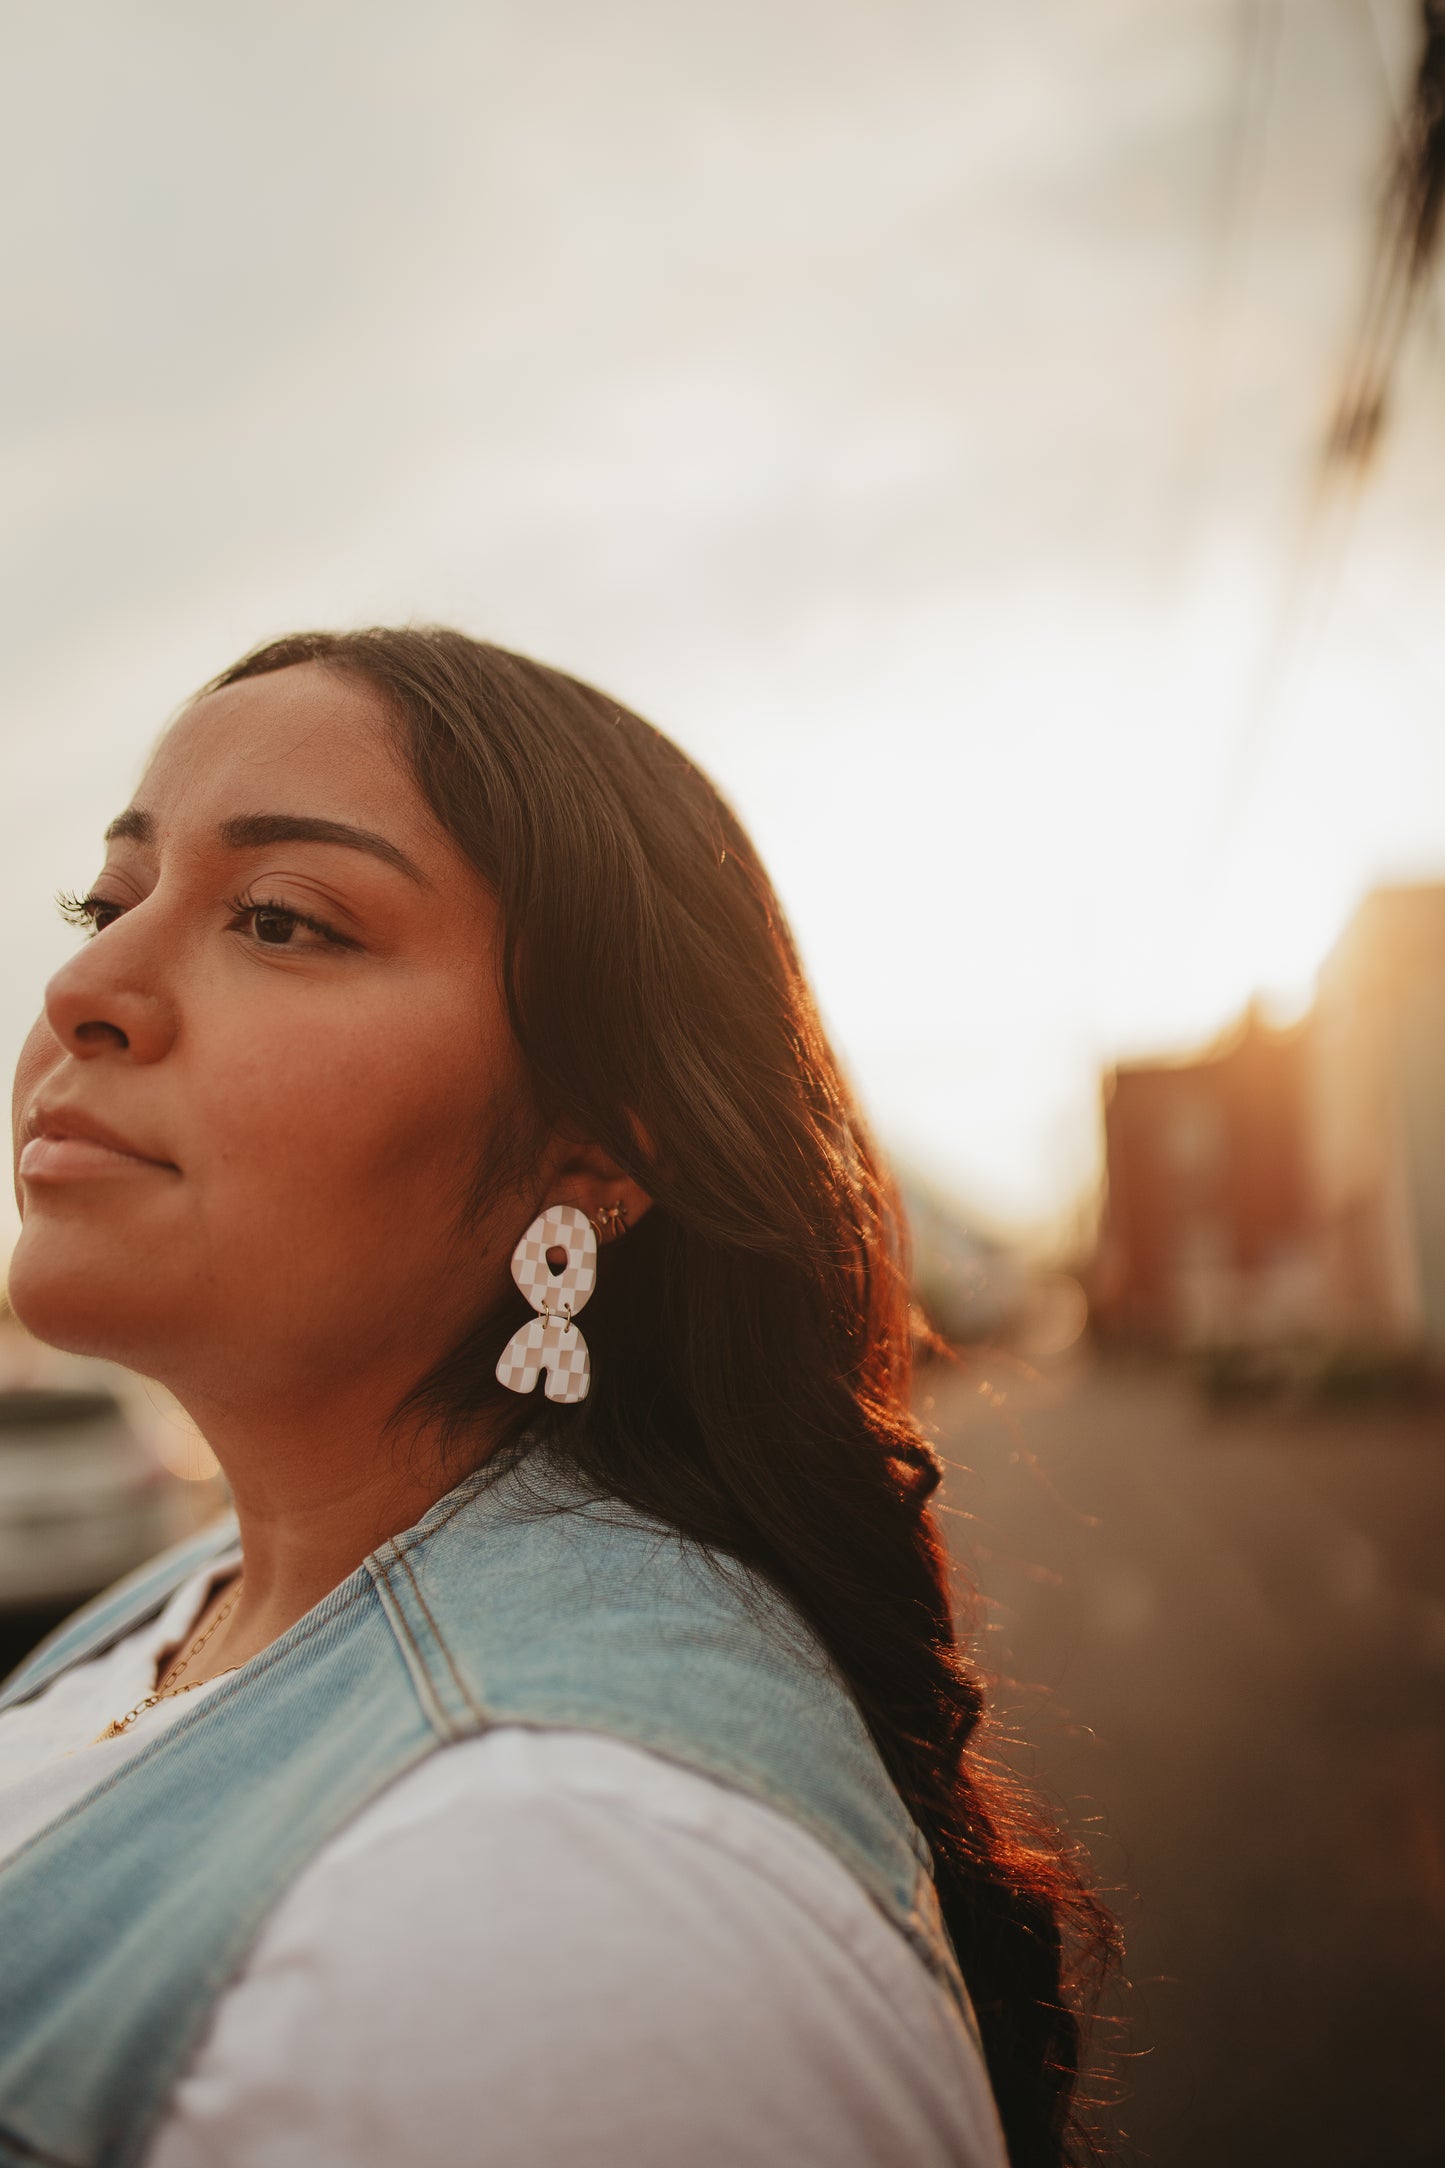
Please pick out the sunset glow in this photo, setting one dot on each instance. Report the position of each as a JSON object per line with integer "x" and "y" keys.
{"x": 894, "y": 428}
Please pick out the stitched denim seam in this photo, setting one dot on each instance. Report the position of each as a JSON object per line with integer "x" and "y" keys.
{"x": 437, "y": 1635}
{"x": 395, "y": 1614}
{"x": 411, "y": 1538}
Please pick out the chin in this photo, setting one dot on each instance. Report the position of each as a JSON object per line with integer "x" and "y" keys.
{"x": 67, "y": 1291}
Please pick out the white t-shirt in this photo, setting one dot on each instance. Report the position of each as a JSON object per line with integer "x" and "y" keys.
{"x": 541, "y": 1950}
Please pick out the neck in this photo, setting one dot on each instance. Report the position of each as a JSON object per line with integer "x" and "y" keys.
{"x": 316, "y": 1489}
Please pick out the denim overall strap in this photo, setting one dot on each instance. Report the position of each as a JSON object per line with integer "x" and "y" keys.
{"x": 122, "y": 1921}
{"x": 109, "y": 1618}
{"x": 515, "y": 1600}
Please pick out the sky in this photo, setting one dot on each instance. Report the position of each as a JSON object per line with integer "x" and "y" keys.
{"x": 912, "y": 409}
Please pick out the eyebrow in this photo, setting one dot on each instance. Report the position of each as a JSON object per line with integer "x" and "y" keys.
{"x": 251, "y": 831}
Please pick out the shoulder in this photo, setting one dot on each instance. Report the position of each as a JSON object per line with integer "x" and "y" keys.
{"x": 526, "y": 1603}
{"x": 601, "y": 1956}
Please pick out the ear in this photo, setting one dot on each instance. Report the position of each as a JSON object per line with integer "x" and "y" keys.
{"x": 585, "y": 1175}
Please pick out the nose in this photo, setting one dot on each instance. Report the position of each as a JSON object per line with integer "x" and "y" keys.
{"x": 107, "y": 1000}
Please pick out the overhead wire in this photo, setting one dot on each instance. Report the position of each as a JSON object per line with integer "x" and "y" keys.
{"x": 1315, "y": 557}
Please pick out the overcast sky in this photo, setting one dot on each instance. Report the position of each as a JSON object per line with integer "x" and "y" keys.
{"x": 910, "y": 407}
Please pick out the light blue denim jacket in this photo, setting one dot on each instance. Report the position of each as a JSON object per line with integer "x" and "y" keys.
{"x": 515, "y": 1600}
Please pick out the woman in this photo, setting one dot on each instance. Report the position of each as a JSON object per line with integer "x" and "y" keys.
{"x": 526, "y": 1773}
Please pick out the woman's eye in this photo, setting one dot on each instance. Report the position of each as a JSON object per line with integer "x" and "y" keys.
{"x": 274, "y": 927}
{"x": 92, "y": 914}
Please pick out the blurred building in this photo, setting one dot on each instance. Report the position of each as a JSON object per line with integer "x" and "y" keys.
{"x": 1376, "y": 1118}
{"x": 1208, "y": 1230}
{"x": 1290, "y": 1184}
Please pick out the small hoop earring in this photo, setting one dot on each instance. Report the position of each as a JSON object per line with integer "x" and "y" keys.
{"x": 552, "y": 1342}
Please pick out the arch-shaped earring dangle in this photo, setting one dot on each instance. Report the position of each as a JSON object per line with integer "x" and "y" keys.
{"x": 552, "y": 1341}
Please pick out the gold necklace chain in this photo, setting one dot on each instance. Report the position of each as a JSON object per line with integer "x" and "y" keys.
{"x": 168, "y": 1687}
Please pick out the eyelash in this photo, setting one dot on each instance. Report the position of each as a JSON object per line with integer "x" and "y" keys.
{"x": 79, "y": 910}
{"x": 82, "y": 911}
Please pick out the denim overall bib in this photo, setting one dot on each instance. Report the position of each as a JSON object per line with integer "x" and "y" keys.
{"x": 515, "y": 1600}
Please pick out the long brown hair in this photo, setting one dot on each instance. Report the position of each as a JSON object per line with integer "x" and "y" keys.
{"x": 750, "y": 1336}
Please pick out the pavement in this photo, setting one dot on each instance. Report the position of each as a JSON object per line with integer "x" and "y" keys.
{"x": 1219, "y": 1641}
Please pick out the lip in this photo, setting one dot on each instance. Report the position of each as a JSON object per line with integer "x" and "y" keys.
{"x": 64, "y": 1144}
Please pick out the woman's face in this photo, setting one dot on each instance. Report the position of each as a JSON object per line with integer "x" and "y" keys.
{"x": 247, "y": 1124}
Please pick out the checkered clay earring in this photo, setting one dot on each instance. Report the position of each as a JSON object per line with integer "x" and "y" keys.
{"x": 552, "y": 1342}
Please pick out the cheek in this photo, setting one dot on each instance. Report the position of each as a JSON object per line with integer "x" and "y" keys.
{"x": 371, "y": 1121}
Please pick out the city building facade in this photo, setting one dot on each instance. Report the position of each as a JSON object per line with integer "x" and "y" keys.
{"x": 1289, "y": 1184}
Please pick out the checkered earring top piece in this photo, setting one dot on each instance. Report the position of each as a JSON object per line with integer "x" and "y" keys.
{"x": 551, "y": 1342}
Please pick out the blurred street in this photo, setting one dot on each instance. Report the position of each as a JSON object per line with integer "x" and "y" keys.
{"x": 1224, "y": 1638}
